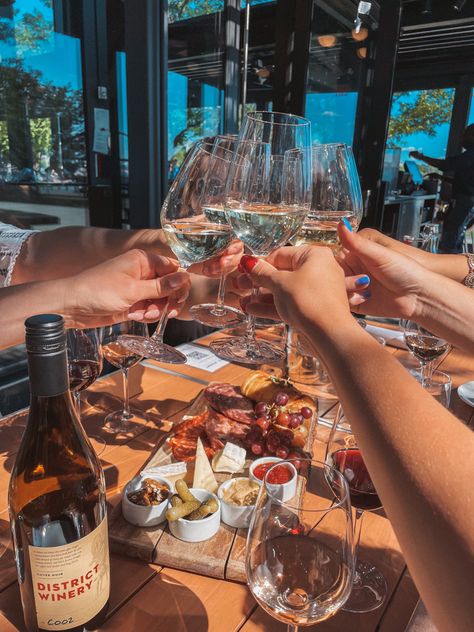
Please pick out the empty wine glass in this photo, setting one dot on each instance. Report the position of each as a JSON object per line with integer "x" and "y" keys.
{"x": 336, "y": 195}
{"x": 212, "y": 201}
{"x": 369, "y": 589}
{"x": 424, "y": 346}
{"x": 84, "y": 359}
{"x": 267, "y": 198}
{"x": 123, "y": 420}
{"x": 300, "y": 553}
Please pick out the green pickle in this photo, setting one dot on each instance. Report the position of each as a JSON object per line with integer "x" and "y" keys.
{"x": 206, "y": 509}
{"x": 183, "y": 491}
{"x": 181, "y": 511}
{"x": 175, "y": 500}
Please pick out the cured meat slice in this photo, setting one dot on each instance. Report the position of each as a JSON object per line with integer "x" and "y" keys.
{"x": 229, "y": 401}
{"x": 183, "y": 443}
{"x": 223, "y": 429}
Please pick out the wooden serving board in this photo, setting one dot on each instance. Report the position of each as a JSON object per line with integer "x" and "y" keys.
{"x": 222, "y": 556}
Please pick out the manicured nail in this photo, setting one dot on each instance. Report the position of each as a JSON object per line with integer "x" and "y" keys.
{"x": 176, "y": 280}
{"x": 135, "y": 315}
{"x": 367, "y": 294}
{"x": 173, "y": 313}
{"x": 152, "y": 314}
{"x": 347, "y": 224}
{"x": 248, "y": 263}
{"x": 365, "y": 280}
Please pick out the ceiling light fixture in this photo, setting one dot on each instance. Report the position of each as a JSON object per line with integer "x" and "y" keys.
{"x": 327, "y": 41}
{"x": 360, "y": 35}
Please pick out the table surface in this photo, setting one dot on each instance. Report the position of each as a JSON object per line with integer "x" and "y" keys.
{"x": 147, "y": 597}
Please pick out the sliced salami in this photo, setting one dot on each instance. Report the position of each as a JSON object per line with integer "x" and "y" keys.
{"x": 229, "y": 401}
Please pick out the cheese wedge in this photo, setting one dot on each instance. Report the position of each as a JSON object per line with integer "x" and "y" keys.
{"x": 231, "y": 459}
{"x": 203, "y": 475}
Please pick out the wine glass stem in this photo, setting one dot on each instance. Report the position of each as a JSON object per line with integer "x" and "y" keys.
{"x": 126, "y": 395}
{"x": 292, "y": 627}
{"x": 77, "y": 400}
{"x": 250, "y": 333}
{"x": 359, "y": 514}
{"x": 218, "y": 309}
{"x": 426, "y": 373}
{"x": 160, "y": 328}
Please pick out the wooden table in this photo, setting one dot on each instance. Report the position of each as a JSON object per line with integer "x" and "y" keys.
{"x": 146, "y": 597}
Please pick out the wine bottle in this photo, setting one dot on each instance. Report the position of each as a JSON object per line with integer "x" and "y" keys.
{"x": 57, "y": 498}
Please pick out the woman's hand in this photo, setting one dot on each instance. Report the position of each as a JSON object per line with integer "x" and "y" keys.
{"x": 136, "y": 285}
{"x": 304, "y": 285}
{"x": 396, "y": 281}
{"x": 226, "y": 261}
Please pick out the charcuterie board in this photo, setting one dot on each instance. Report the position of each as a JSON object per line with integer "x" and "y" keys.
{"x": 223, "y": 555}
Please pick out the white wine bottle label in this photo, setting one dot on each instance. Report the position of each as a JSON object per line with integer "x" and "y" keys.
{"x": 71, "y": 583}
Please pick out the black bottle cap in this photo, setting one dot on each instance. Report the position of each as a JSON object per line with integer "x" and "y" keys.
{"x": 45, "y": 334}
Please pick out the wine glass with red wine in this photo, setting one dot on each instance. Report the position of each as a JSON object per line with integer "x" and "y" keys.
{"x": 123, "y": 420}
{"x": 369, "y": 589}
{"x": 300, "y": 552}
{"x": 84, "y": 355}
{"x": 425, "y": 347}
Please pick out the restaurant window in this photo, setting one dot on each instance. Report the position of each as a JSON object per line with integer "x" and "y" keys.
{"x": 471, "y": 109}
{"x": 336, "y": 69}
{"x": 420, "y": 120}
{"x": 261, "y": 54}
{"x": 42, "y": 144}
{"x": 195, "y": 75}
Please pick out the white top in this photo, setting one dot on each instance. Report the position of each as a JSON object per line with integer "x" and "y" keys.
{"x": 11, "y": 243}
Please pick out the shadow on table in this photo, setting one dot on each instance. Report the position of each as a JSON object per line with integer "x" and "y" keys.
{"x": 162, "y": 604}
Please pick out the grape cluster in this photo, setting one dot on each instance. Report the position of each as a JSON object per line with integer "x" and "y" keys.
{"x": 272, "y": 432}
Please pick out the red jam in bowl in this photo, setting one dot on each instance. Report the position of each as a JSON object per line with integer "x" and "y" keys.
{"x": 278, "y": 476}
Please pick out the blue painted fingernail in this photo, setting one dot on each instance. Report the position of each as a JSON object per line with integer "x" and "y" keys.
{"x": 365, "y": 280}
{"x": 367, "y": 294}
{"x": 347, "y": 224}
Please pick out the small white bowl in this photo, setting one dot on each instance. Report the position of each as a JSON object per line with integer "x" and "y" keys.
{"x": 234, "y": 515}
{"x": 139, "y": 515}
{"x": 283, "y": 491}
{"x": 197, "y": 530}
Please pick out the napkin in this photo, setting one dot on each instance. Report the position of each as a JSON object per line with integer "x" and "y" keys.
{"x": 392, "y": 337}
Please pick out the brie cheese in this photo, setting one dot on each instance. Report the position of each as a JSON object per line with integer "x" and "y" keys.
{"x": 231, "y": 459}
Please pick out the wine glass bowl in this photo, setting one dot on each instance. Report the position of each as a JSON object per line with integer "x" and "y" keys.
{"x": 424, "y": 346}
{"x": 336, "y": 195}
{"x": 343, "y": 455}
{"x": 299, "y": 559}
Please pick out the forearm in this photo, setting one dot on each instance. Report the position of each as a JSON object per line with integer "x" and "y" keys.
{"x": 438, "y": 163}
{"x": 445, "y": 307}
{"x": 67, "y": 251}
{"x": 420, "y": 458}
{"x": 21, "y": 301}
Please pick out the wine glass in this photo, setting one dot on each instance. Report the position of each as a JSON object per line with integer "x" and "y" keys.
{"x": 268, "y": 194}
{"x": 119, "y": 355}
{"x": 300, "y": 553}
{"x": 84, "y": 359}
{"x": 336, "y": 195}
{"x": 212, "y": 201}
{"x": 369, "y": 590}
{"x": 425, "y": 347}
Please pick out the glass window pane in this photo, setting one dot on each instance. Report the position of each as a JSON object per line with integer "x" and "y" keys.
{"x": 195, "y": 75}
{"x": 336, "y": 69}
{"x": 471, "y": 109}
{"x": 420, "y": 120}
{"x": 42, "y": 139}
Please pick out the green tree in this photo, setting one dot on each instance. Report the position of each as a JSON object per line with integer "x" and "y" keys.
{"x": 185, "y": 9}
{"x": 429, "y": 110}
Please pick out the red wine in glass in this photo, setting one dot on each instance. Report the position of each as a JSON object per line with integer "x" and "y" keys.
{"x": 350, "y": 463}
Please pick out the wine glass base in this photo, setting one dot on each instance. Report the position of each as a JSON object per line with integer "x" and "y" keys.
{"x": 150, "y": 348}
{"x": 246, "y": 351}
{"x": 118, "y": 422}
{"x": 215, "y": 315}
{"x": 369, "y": 590}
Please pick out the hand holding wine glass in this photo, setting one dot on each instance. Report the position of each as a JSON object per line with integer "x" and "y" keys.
{"x": 299, "y": 558}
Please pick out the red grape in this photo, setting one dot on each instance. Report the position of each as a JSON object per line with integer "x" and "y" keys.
{"x": 257, "y": 448}
{"x": 261, "y": 409}
{"x": 306, "y": 412}
{"x": 283, "y": 419}
{"x": 295, "y": 420}
{"x": 294, "y": 456}
{"x": 286, "y": 437}
{"x": 282, "y": 452}
{"x": 263, "y": 423}
{"x": 281, "y": 399}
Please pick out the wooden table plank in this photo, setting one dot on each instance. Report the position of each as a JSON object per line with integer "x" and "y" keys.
{"x": 400, "y": 608}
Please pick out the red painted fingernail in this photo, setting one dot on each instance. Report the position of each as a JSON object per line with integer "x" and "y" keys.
{"x": 248, "y": 263}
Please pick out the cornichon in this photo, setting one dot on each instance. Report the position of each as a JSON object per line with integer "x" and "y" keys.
{"x": 181, "y": 511}
{"x": 207, "y": 508}
{"x": 183, "y": 491}
{"x": 175, "y": 500}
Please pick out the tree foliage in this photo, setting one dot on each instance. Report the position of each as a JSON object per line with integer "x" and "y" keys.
{"x": 429, "y": 110}
{"x": 184, "y": 9}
